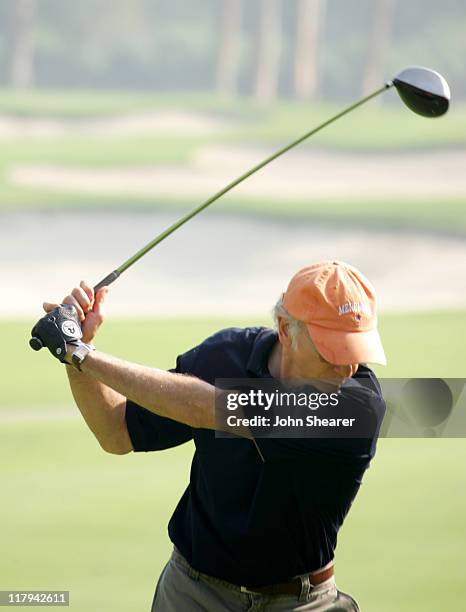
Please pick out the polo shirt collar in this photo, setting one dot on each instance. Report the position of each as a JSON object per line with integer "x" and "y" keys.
{"x": 257, "y": 363}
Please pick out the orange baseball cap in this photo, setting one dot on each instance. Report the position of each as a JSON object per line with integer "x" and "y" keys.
{"x": 338, "y": 305}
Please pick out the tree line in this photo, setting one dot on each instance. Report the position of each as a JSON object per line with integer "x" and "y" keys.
{"x": 265, "y": 48}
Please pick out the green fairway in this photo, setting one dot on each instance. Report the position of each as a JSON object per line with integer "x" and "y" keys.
{"x": 406, "y": 212}
{"x": 383, "y": 128}
{"x": 75, "y": 518}
{"x": 380, "y": 126}
{"x": 411, "y": 213}
{"x": 96, "y": 152}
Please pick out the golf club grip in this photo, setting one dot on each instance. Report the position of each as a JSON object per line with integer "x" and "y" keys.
{"x": 36, "y": 343}
{"x": 108, "y": 280}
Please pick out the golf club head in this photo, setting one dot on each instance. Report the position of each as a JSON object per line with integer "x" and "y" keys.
{"x": 424, "y": 91}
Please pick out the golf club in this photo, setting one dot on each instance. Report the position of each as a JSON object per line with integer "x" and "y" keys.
{"x": 424, "y": 91}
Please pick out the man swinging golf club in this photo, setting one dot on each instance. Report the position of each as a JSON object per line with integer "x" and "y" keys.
{"x": 253, "y": 530}
{"x": 256, "y": 528}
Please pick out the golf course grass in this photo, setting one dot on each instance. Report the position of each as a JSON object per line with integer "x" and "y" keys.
{"x": 97, "y": 152}
{"x": 384, "y": 124}
{"x": 77, "y": 519}
{"x": 405, "y": 213}
{"x": 382, "y": 128}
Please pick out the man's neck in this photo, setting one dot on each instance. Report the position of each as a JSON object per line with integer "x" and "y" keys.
{"x": 277, "y": 370}
{"x": 275, "y": 360}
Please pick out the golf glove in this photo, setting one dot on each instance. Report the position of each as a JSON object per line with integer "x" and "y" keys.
{"x": 56, "y": 329}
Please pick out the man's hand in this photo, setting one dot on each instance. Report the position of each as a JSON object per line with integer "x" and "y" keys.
{"x": 56, "y": 330}
{"x": 88, "y": 306}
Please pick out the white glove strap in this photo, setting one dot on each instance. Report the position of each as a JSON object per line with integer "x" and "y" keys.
{"x": 80, "y": 354}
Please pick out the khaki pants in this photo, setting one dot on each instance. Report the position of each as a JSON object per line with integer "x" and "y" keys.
{"x": 183, "y": 589}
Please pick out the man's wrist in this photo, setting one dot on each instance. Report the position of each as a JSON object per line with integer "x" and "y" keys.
{"x": 76, "y": 353}
{"x": 69, "y": 353}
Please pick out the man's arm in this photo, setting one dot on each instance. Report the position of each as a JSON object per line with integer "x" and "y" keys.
{"x": 179, "y": 397}
{"x": 103, "y": 409}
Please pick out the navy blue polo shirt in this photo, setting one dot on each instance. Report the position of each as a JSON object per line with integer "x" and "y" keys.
{"x": 247, "y": 521}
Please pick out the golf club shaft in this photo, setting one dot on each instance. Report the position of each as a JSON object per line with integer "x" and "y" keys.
{"x": 132, "y": 260}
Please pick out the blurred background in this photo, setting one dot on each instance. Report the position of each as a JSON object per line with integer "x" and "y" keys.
{"x": 117, "y": 117}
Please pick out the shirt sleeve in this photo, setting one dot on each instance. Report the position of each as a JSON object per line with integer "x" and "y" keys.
{"x": 149, "y": 431}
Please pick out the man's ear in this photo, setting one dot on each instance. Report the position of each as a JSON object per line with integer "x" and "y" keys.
{"x": 284, "y": 332}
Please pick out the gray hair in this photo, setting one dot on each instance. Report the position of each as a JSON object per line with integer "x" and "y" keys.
{"x": 294, "y": 325}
